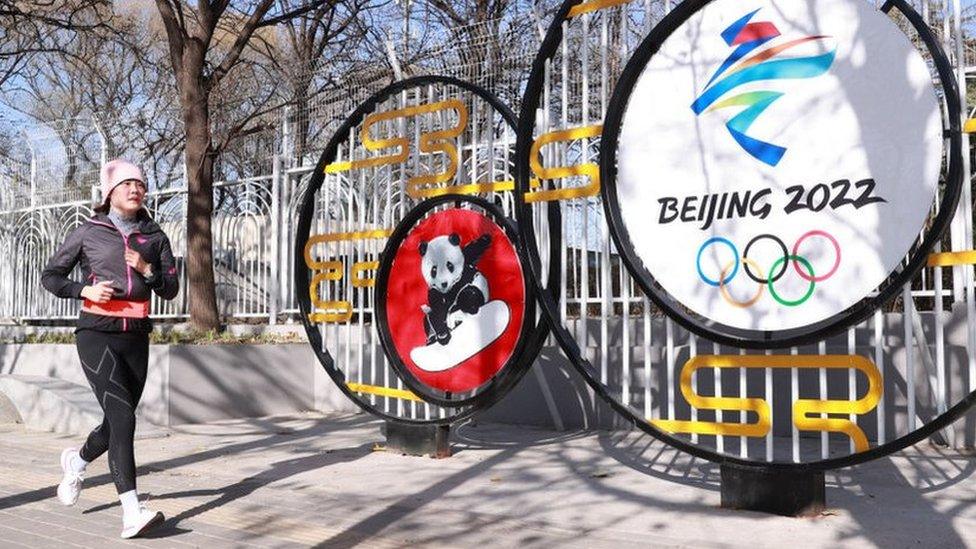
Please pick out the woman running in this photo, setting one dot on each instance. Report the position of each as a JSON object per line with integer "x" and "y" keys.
{"x": 123, "y": 256}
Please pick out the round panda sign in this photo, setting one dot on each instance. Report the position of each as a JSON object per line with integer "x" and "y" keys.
{"x": 453, "y": 300}
{"x": 769, "y": 167}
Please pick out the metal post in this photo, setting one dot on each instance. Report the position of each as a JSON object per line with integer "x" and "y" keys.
{"x": 286, "y": 139}
{"x": 961, "y": 230}
{"x": 406, "y": 29}
{"x": 394, "y": 62}
{"x": 966, "y": 204}
{"x": 28, "y": 308}
{"x": 285, "y": 190}
{"x": 103, "y": 157}
{"x": 186, "y": 238}
{"x": 275, "y": 236}
{"x": 102, "y": 136}
{"x": 33, "y": 170}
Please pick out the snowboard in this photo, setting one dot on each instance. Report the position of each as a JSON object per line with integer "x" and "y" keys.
{"x": 468, "y": 338}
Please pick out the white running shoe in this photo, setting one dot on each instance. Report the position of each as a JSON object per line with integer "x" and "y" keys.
{"x": 146, "y": 521}
{"x": 70, "y": 486}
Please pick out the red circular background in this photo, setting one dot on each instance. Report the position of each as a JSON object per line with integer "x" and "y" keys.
{"x": 406, "y": 292}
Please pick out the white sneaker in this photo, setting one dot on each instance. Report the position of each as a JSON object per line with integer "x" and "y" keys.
{"x": 141, "y": 524}
{"x": 70, "y": 486}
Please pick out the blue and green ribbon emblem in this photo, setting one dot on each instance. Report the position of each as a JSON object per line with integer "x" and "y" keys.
{"x": 740, "y": 69}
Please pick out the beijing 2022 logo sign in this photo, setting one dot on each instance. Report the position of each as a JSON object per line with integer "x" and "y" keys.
{"x": 769, "y": 165}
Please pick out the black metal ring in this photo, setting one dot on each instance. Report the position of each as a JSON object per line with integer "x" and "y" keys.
{"x": 756, "y": 339}
{"x": 786, "y": 258}
{"x": 547, "y": 294}
{"x": 525, "y": 350}
{"x": 302, "y": 278}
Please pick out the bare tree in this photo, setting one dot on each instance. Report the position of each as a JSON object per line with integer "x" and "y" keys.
{"x": 27, "y": 29}
{"x": 200, "y": 68}
{"x": 318, "y": 51}
{"x": 131, "y": 97}
{"x": 487, "y": 42}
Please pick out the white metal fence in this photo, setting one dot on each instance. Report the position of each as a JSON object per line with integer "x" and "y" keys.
{"x": 925, "y": 346}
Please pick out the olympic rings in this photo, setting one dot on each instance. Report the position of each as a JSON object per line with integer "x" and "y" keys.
{"x": 776, "y": 272}
{"x": 802, "y": 300}
{"x": 735, "y": 252}
{"x": 725, "y": 291}
{"x": 796, "y": 248}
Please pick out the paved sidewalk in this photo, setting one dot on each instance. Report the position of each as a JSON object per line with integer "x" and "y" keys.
{"x": 318, "y": 480}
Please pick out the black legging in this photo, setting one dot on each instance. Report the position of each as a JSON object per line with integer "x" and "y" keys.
{"x": 115, "y": 364}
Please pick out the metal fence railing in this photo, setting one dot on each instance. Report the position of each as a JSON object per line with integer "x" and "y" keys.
{"x": 248, "y": 244}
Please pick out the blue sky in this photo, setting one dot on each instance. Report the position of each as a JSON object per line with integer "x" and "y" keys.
{"x": 9, "y": 117}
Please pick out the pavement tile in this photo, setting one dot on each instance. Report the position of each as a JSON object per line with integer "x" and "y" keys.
{"x": 315, "y": 480}
{"x": 23, "y": 534}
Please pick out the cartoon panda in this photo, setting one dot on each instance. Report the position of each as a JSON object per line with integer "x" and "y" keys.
{"x": 455, "y": 286}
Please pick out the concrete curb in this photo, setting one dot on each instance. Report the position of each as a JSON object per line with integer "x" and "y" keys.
{"x": 8, "y": 412}
{"x": 48, "y": 404}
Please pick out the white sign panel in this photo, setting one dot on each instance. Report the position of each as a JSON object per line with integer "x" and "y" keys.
{"x": 777, "y": 159}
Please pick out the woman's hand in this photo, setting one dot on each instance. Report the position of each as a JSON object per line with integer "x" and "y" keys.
{"x": 99, "y": 293}
{"x": 134, "y": 260}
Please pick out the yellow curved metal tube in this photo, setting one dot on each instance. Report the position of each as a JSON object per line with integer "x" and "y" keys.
{"x": 440, "y": 141}
{"x": 594, "y": 5}
{"x": 333, "y": 271}
{"x": 952, "y": 259}
{"x": 383, "y": 391}
{"x": 802, "y": 408}
{"x": 360, "y": 281}
{"x": 590, "y": 170}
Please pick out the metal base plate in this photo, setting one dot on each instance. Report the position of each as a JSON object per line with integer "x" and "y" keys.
{"x": 778, "y": 492}
{"x": 418, "y": 440}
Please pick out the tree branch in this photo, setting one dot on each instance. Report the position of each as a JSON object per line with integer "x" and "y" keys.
{"x": 294, "y": 13}
{"x": 176, "y": 34}
{"x": 242, "y": 39}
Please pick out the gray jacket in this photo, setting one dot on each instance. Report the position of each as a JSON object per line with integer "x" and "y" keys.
{"x": 99, "y": 247}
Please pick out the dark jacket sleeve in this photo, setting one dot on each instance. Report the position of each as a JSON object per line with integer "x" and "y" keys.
{"x": 476, "y": 248}
{"x": 165, "y": 280}
{"x": 54, "y": 278}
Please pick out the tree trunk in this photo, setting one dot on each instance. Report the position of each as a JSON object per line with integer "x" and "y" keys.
{"x": 199, "y": 159}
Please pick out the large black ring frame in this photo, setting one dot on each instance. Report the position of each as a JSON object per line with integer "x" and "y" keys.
{"x": 530, "y": 102}
{"x": 516, "y": 365}
{"x": 755, "y": 339}
{"x": 302, "y": 278}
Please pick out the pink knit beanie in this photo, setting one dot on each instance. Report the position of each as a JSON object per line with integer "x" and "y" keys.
{"x": 115, "y": 172}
